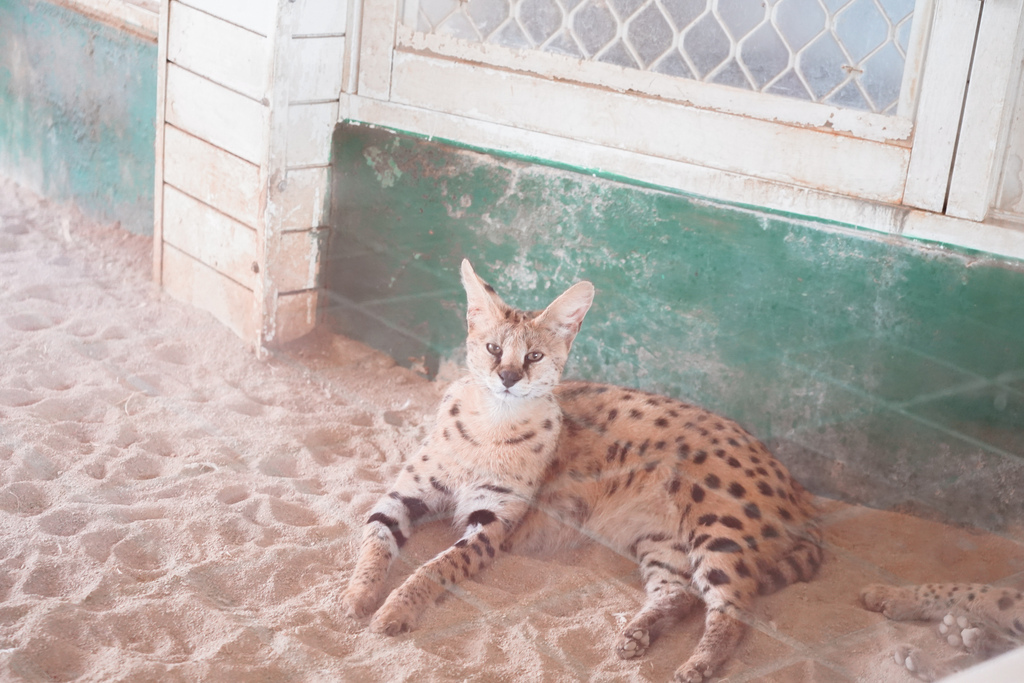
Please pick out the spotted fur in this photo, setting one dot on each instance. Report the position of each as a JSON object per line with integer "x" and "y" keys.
{"x": 977, "y": 619}
{"x": 522, "y": 461}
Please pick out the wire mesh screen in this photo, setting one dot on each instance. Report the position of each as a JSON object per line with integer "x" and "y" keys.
{"x": 848, "y": 53}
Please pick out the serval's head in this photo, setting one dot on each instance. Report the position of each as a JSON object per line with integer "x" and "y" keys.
{"x": 520, "y": 354}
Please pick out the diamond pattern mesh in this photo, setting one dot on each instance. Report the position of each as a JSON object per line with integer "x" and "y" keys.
{"x": 848, "y": 53}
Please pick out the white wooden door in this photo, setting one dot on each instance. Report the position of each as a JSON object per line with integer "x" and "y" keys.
{"x": 860, "y": 98}
{"x": 991, "y": 103}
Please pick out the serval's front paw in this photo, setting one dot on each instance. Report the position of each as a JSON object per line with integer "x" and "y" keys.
{"x": 889, "y": 600}
{"x": 358, "y": 601}
{"x": 633, "y": 643}
{"x": 394, "y": 617}
{"x": 874, "y": 596}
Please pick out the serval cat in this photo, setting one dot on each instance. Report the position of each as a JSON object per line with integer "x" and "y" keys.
{"x": 515, "y": 456}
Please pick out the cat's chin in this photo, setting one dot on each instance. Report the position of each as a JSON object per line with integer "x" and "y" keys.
{"x": 504, "y": 394}
{"x": 509, "y": 397}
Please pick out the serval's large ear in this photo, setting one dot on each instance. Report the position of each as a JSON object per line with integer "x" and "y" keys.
{"x": 482, "y": 303}
{"x": 564, "y": 315}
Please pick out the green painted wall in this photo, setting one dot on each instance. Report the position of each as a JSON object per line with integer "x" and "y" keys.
{"x": 78, "y": 111}
{"x": 882, "y": 371}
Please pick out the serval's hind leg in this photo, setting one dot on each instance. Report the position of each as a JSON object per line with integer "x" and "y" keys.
{"x": 670, "y": 600}
{"x": 669, "y": 593}
{"x": 728, "y": 598}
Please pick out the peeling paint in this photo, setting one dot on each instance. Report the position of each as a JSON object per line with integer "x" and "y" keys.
{"x": 386, "y": 170}
{"x": 77, "y": 111}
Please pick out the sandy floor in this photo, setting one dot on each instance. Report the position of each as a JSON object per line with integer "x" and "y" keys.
{"x": 171, "y": 508}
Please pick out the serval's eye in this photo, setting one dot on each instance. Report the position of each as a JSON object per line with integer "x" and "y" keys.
{"x": 534, "y": 356}
{"x": 494, "y": 349}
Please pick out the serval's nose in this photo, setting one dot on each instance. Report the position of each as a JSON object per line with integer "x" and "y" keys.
{"x": 510, "y": 377}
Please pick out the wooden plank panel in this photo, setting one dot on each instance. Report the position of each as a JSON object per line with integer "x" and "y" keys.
{"x": 376, "y": 47}
{"x": 309, "y": 133}
{"x": 296, "y": 266}
{"x": 353, "y": 43}
{"x": 195, "y": 283}
{"x": 315, "y": 70}
{"x": 211, "y": 237}
{"x": 222, "y": 52}
{"x": 223, "y": 118}
{"x": 226, "y": 182}
{"x": 321, "y": 17}
{"x": 304, "y": 201}
{"x": 994, "y": 239}
{"x": 255, "y": 15}
{"x": 987, "y": 110}
{"x": 296, "y": 316}
{"x": 804, "y": 157}
{"x": 942, "y": 96}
